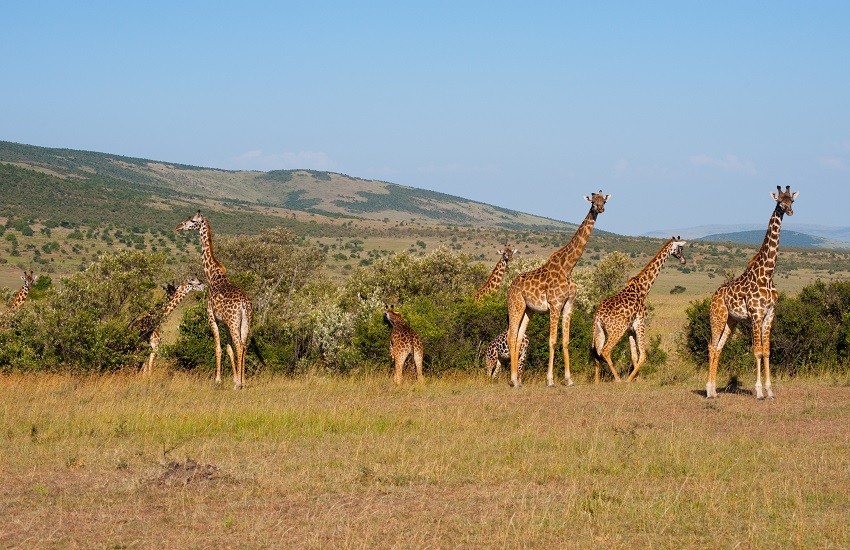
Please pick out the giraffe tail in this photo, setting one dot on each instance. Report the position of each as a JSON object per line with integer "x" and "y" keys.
{"x": 598, "y": 340}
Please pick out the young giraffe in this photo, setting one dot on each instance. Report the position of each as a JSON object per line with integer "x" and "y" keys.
{"x": 225, "y": 302}
{"x": 550, "y": 287}
{"x": 498, "y": 351}
{"x": 494, "y": 281}
{"x": 751, "y": 296}
{"x": 626, "y": 311}
{"x": 403, "y": 342}
{"x": 22, "y": 294}
{"x": 175, "y": 296}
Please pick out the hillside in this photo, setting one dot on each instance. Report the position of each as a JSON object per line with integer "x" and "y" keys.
{"x": 787, "y": 238}
{"x": 325, "y": 193}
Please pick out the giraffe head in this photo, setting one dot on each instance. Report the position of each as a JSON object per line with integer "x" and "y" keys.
{"x": 507, "y": 253}
{"x": 192, "y": 223}
{"x": 677, "y": 249}
{"x": 194, "y": 284}
{"x": 391, "y": 315}
{"x": 597, "y": 201}
{"x": 28, "y": 279}
{"x": 784, "y": 199}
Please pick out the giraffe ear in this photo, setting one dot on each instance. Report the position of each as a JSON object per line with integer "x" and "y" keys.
{"x": 516, "y": 250}
{"x": 608, "y": 196}
{"x": 794, "y": 196}
{"x": 774, "y": 196}
{"x": 587, "y": 198}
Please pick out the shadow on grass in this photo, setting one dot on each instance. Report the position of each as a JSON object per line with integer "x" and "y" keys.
{"x": 734, "y": 387}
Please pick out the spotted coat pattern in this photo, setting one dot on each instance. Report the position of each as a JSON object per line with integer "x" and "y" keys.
{"x": 494, "y": 281}
{"x": 404, "y": 342}
{"x": 625, "y": 311}
{"x": 175, "y": 296}
{"x": 550, "y": 288}
{"x": 226, "y": 302}
{"x": 751, "y": 296}
{"x": 498, "y": 351}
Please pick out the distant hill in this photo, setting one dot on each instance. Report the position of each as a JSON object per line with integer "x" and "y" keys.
{"x": 786, "y": 238}
{"x": 326, "y": 193}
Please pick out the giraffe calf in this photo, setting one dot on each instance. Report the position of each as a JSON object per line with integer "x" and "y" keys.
{"x": 403, "y": 343}
{"x": 498, "y": 351}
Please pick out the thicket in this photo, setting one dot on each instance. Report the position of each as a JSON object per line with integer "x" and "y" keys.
{"x": 811, "y": 333}
{"x": 301, "y": 320}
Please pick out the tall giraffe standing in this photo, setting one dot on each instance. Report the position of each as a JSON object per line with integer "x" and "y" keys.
{"x": 626, "y": 311}
{"x": 403, "y": 342}
{"x": 22, "y": 294}
{"x": 751, "y": 296}
{"x": 494, "y": 281}
{"x": 550, "y": 288}
{"x": 175, "y": 296}
{"x": 225, "y": 302}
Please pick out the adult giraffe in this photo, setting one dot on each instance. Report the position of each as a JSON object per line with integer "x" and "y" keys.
{"x": 225, "y": 302}
{"x": 550, "y": 288}
{"x": 626, "y": 311}
{"x": 751, "y": 296}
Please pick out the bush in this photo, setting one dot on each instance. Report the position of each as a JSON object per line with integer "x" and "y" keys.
{"x": 85, "y": 323}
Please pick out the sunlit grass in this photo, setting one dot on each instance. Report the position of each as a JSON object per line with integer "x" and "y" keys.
{"x": 320, "y": 461}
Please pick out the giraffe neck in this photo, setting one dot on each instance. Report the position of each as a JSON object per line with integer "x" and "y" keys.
{"x": 212, "y": 268}
{"x": 175, "y": 300}
{"x": 645, "y": 279}
{"x": 20, "y": 297}
{"x": 495, "y": 278}
{"x": 565, "y": 258}
{"x": 765, "y": 258}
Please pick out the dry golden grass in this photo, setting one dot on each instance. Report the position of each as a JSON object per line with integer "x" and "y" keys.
{"x": 316, "y": 462}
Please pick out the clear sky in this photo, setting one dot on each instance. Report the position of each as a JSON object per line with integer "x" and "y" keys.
{"x": 688, "y": 113}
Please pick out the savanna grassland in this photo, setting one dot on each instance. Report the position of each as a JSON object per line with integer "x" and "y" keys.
{"x": 321, "y": 452}
{"x": 174, "y": 462}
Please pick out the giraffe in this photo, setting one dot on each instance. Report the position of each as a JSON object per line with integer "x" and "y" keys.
{"x": 175, "y": 296}
{"x": 403, "y": 342}
{"x": 626, "y": 311}
{"x": 498, "y": 351}
{"x": 751, "y": 296}
{"x": 550, "y": 288}
{"x": 225, "y": 302}
{"x": 22, "y": 294}
{"x": 494, "y": 281}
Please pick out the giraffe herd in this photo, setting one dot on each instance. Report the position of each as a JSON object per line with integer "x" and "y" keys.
{"x": 548, "y": 288}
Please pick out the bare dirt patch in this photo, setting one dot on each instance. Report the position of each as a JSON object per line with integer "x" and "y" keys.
{"x": 190, "y": 471}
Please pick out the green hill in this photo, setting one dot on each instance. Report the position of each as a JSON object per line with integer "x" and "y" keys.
{"x": 326, "y": 193}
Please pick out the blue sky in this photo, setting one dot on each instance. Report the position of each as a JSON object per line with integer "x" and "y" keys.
{"x": 688, "y": 113}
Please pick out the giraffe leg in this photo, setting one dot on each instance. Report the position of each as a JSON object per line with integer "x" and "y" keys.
{"x": 638, "y": 344}
{"x": 758, "y": 352}
{"x": 523, "y": 352}
{"x": 417, "y": 359}
{"x": 233, "y": 364}
{"x": 765, "y": 346}
{"x": 598, "y": 344}
{"x": 722, "y": 326}
{"x": 517, "y": 320}
{"x": 514, "y": 343}
{"x": 399, "y": 367}
{"x": 216, "y": 343}
{"x": 566, "y": 315}
{"x": 493, "y": 366}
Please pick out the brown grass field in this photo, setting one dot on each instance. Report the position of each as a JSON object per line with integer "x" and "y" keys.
{"x": 318, "y": 462}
